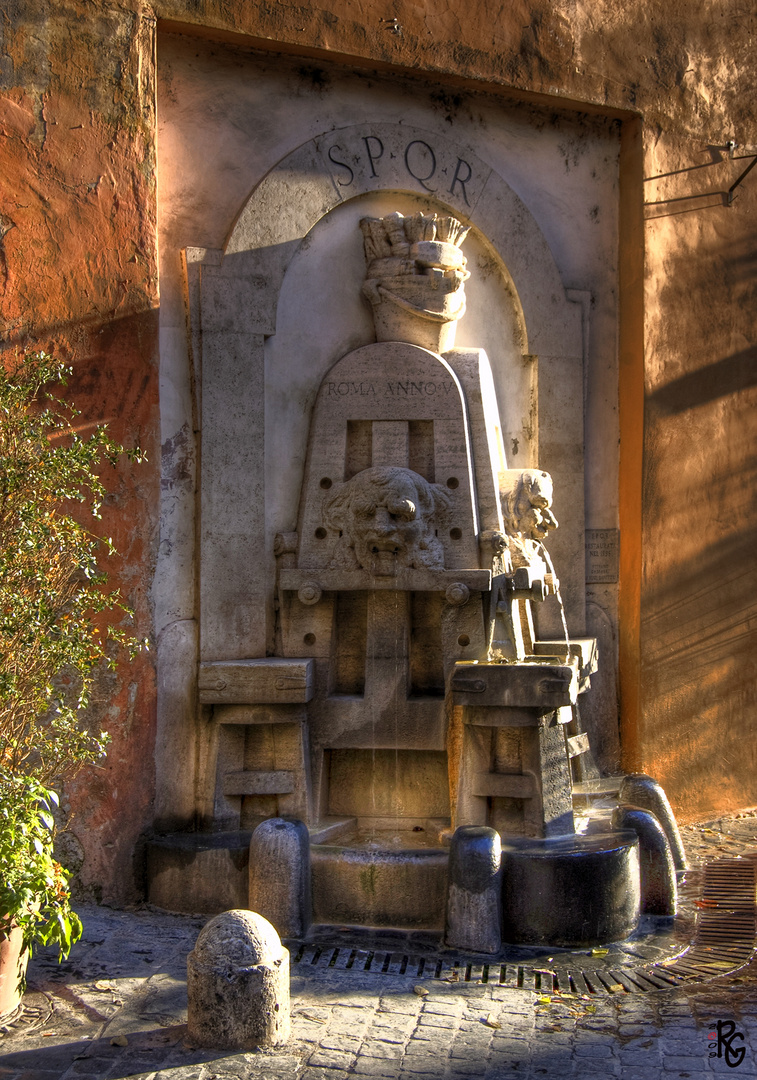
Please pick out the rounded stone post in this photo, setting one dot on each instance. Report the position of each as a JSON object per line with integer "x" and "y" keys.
{"x": 474, "y": 900}
{"x": 659, "y": 892}
{"x": 641, "y": 790}
{"x": 280, "y": 875}
{"x": 238, "y": 984}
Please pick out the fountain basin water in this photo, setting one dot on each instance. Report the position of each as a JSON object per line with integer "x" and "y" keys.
{"x": 570, "y": 890}
{"x": 396, "y": 887}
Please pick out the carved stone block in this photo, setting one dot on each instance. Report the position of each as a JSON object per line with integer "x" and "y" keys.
{"x": 271, "y": 680}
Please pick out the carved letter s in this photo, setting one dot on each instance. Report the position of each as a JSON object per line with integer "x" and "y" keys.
{"x": 342, "y": 165}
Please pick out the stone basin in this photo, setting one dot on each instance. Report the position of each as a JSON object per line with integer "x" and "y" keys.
{"x": 394, "y": 884}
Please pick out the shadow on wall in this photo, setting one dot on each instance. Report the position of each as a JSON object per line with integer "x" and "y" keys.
{"x": 730, "y": 375}
{"x": 699, "y": 617}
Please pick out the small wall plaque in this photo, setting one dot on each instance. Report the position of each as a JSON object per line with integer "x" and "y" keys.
{"x": 602, "y": 555}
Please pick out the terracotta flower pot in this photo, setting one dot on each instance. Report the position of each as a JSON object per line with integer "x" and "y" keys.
{"x": 12, "y": 969}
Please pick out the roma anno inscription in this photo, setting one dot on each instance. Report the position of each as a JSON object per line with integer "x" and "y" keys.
{"x": 397, "y": 389}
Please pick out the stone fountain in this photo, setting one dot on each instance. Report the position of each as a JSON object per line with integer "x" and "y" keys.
{"x": 413, "y": 752}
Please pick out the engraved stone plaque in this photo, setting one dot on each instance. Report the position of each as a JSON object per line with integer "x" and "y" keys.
{"x": 602, "y": 555}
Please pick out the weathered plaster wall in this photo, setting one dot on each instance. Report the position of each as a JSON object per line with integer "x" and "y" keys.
{"x": 78, "y": 273}
{"x": 79, "y": 267}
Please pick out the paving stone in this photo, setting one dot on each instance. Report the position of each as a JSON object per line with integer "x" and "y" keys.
{"x": 388, "y": 1051}
{"x": 340, "y": 1042}
{"x": 594, "y": 1050}
{"x": 393, "y": 1038}
{"x": 341, "y": 1014}
{"x": 651, "y": 1042}
{"x": 370, "y": 1066}
{"x": 678, "y": 1061}
{"x": 599, "y": 1067}
{"x": 639, "y": 1058}
{"x": 393, "y": 1021}
{"x": 600, "y": 1024}
{"x": 463, "y": 1052}
{"x": 409, "y": 1007}
{"x": 437, "y": 1020}
{"x": 441, "y": 1008}
{"x": 558, "y": 1038}
{"x": 684, "y": 1046}
{"x": 331, "y": 1059}
{"x": 644, "y": 1072}
{"x": 419, "y": 1071}
{"x": 422, "y": 1048}
{"x": 442, "y": 1036}
{"x": 319, "y": 1074}
{"x": 636, "y": 1029}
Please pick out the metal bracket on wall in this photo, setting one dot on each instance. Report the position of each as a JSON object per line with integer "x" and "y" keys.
{"x": 738, "y": 180}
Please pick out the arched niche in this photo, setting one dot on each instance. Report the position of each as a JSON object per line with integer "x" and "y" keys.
{"x": 250, "y": 463}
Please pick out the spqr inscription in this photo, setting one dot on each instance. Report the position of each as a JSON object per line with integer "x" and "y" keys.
{"x": 418, "y": 159}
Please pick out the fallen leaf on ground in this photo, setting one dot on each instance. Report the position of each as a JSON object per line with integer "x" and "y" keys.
{"x": 119, "y": 1040}
{"x": 544, "y": 1000}
{"x": 315, "y": 1019}
{"x": 492, "y": 1021}
{"x": 103, "y": 984}
{"x": 421, "y": 991}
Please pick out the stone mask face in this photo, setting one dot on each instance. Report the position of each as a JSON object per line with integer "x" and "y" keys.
{"x": 535, "y": 517}
{"x": 385, "y": 516}
{"x": 529, "y": 517}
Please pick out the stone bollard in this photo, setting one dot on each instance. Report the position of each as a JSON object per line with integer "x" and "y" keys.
{"x": 279, "y": 881}
{"x": 474, "y": 901}
{"x": 638, "y": 789}
{"x": 659, "y": 892}
{"x": 238, "y": 984}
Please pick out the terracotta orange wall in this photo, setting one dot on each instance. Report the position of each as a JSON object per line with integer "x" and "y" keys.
{"x": 78, "y": 274}
{"x": 79, "y": 267}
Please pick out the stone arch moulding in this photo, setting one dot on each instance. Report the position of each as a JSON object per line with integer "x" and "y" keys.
{"x": 233, "y": 299}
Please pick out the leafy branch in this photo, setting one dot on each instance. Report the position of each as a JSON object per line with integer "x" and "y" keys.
{"x": 57, "y": 616}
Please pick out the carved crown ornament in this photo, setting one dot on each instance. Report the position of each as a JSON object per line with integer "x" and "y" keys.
{"x": 415, "y": 276}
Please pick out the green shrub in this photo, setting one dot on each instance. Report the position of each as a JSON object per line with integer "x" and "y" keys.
{"x": 59, "y": 623}
{"x": 57, "y": 617}
{"x": 34, "y": 891}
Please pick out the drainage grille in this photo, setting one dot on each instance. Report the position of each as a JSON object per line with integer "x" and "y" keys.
{"x": 724, "y": 940}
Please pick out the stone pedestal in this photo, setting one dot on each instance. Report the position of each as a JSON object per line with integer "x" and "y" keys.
{"x": 474, "y": 904}
{"x": 659, "y": 891}
{"x": 238, "y": 984}
{"x": 641, "y": 790}
{"x": 280, "y": 875}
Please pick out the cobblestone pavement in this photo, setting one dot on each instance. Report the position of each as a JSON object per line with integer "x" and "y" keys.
{"x": 117, "y": 1009}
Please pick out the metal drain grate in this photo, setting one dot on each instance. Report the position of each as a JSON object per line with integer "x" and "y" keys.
{"x": 724, "y": 941}
{"x": 726, "y": 927}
